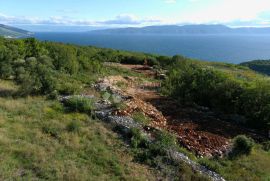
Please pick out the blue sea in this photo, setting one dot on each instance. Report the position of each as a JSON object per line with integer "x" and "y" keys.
{"x": 221, "y": 48}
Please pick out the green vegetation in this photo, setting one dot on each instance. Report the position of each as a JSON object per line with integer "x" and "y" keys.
{"x": 156, "y": 155}
{"x": 79, "y": 104}
{"x": 45, "y": 67}
{"x": 192, "y": 82}
{"x": 266, "y": 145}
{"x": 246, "y": 167}
{"x": 11, "y": 32}
{"x": 40, "y": 141}
{"x": 242, "y": 146}
{"x": 261, "y": 66}
{"x": 141, "y": 118}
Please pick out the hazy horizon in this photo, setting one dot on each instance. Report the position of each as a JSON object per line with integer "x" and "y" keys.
{"x": 70, "y": 15}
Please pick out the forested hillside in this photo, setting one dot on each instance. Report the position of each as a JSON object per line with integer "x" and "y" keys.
{"x": 11, "y": 32}
{"x": 261, "y": 66}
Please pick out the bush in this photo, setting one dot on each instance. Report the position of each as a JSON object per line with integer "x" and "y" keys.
{"x": 137, "y": 139}
{"x": 192, "y": 83}
{"x": 80, "y": 104}
{"x": 242, "y": 145}
{"x": 266, "y": 146}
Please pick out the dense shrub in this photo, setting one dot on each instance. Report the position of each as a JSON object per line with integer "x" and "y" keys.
{"x": 266, "y": 145}
{"x": 190, "y": 83}
{"x": 242, "y": 145}
{"x": 42, "y": 67}
{"x": 133, "y": 60}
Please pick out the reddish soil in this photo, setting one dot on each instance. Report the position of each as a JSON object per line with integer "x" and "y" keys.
{"x": 197, "y": 130}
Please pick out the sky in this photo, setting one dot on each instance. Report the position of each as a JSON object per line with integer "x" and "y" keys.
{"x": 135, "y": 13}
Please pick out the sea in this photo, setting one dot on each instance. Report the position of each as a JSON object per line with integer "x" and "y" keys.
{"x": 220, "y": 48}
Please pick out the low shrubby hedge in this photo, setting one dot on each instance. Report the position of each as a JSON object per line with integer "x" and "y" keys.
{"x": 190, "y": 83}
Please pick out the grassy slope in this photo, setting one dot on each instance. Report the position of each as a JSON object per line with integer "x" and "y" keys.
{"x": 35, "y": 144}
{"x": 254, "y": 167}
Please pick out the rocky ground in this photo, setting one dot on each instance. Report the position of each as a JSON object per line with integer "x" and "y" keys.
{"x": 198, "y": 129}
{"x": 122, "y": 119}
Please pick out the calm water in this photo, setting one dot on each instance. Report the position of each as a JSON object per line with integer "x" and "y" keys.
{"x": 226, "y": 48}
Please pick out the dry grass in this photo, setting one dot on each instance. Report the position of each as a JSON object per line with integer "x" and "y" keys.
{"x": 36, "y": 145}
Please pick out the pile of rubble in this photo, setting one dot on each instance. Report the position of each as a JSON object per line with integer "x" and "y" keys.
{"x": 204, "y": 144}
{"x": 137, "y": 105}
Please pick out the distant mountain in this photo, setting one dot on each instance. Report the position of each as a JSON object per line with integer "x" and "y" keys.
{"x": 11, "y": 32}
{"x": 187, "y": 29}
{"x": 261, "y": 66}
{"x": 58, "y": 28}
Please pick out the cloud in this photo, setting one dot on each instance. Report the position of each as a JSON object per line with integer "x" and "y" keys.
{"x": 122, "y": 19}
{"x": 129, "y": 19}
{"x": 225, "y": 11}
{"x": 228, "y": 12}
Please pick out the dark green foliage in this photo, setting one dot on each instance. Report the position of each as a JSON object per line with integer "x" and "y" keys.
{"x": 242, "y": 145}
{"x": 266, "y": 145}
{"x": 262, "y": 66}
{"x": 43, "y": 67}
{"x": 255, "y": 104}
{"x": 137, "y": 139}
{"x": 80, "y": 104}
{"x": 190, "y": 83}
{"x": 133, "y": 60}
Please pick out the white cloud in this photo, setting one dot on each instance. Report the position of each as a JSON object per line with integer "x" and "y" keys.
{"x": 230, "y": 12}
{"x": 226, "y": 11}
{"x": 129, "y": 19}
{"x": 120, "y": 20}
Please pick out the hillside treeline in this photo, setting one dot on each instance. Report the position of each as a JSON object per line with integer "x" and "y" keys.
{"x": 46, "y": 67}
{"x": 262, "y": 66}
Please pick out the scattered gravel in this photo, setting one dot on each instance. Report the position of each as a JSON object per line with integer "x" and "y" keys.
{"x": 125, "y": 123}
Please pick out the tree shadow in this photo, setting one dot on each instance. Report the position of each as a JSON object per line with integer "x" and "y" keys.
{"x": 7, "y": 93}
